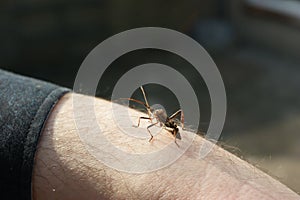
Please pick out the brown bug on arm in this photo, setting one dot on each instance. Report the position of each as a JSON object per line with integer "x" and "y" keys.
{"x": 161, "y": 118}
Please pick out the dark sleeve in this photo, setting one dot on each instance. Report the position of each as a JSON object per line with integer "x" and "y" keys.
{"x": 24, "y": 106}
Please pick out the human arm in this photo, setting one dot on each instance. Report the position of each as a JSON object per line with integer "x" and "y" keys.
{"x": 64, "y": 169}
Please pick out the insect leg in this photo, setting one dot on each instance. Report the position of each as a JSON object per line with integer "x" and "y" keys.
{"x": 149, "y": 130}
{"x": 140, "y": 120}
{"x": 174, "y": 133}
{"x": 181, "y": 117}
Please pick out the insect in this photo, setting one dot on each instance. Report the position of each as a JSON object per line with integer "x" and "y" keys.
{"x": 159, "y": 117}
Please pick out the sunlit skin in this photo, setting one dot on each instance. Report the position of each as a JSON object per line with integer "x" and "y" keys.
{"x": 64, "y": 169}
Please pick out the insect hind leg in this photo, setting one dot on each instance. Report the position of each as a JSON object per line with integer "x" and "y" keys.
{"x": 178, "y": 112}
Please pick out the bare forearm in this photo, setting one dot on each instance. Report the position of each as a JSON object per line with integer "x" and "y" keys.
{"x": 64, "y": 169}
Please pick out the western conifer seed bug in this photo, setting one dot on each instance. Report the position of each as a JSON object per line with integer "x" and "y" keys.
{"x": 161, "y": 118}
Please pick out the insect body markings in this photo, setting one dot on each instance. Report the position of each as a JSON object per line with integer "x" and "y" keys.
{"x": 159, "y": 117}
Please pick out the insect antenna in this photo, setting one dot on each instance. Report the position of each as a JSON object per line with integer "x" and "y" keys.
{"x": 139, "y": 102}
{"x": 146, "y": 101}
{"x": 146, "y": 104}
{"x": 134, "y": 100}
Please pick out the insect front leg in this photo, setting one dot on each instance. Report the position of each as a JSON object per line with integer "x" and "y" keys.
{"x": 140, "y": 120}
{"x": 149, "y": 130}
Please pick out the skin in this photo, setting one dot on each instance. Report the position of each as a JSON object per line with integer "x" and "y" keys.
{"x": 64, "y": 169}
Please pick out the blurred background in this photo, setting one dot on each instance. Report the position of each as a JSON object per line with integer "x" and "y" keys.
{"x": 255, "y": 44}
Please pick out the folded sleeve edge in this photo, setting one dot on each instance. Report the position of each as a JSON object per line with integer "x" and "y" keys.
{"x": 32, "y": 138}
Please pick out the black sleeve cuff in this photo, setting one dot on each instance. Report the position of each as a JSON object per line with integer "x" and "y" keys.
{"x": 24, "y": 107}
